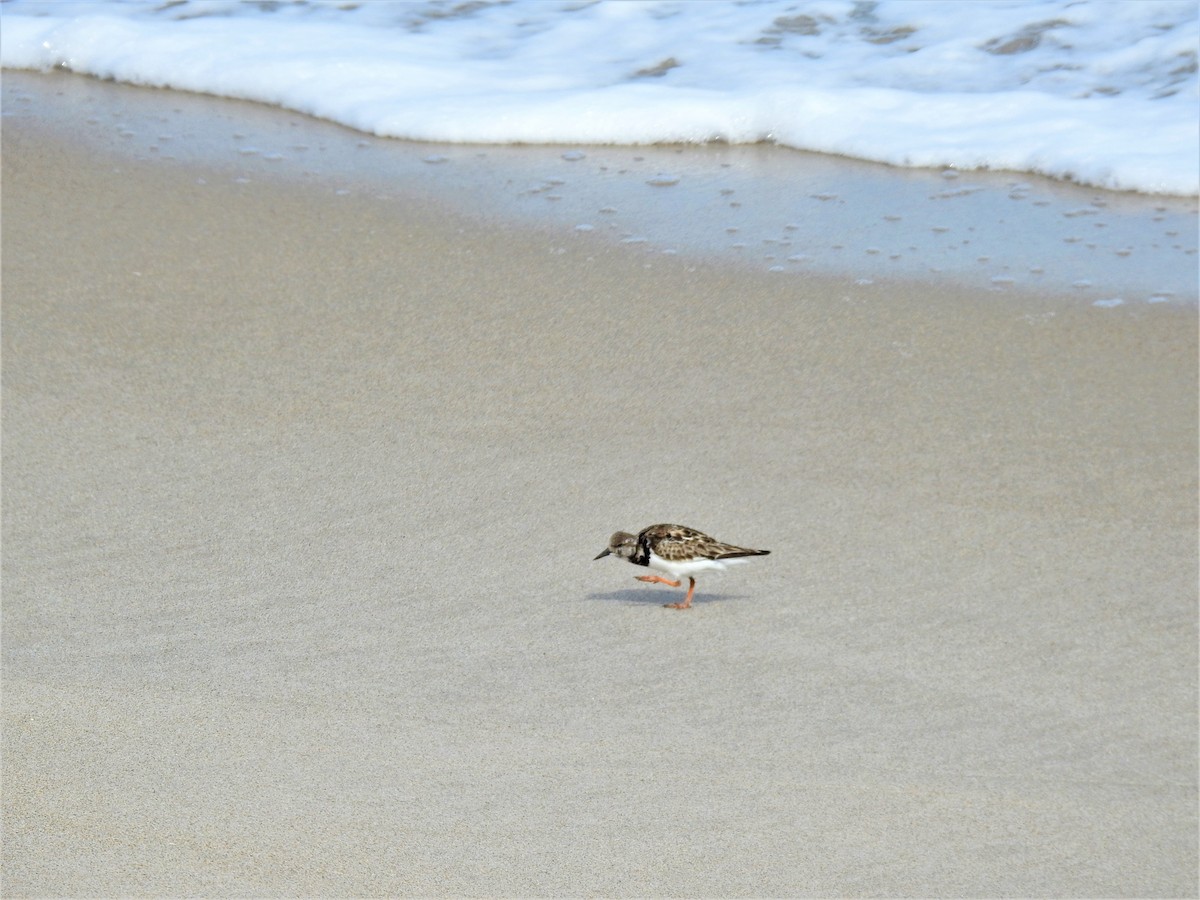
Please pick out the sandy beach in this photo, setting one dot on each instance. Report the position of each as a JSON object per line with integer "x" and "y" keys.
{"x": 301, "y": 498}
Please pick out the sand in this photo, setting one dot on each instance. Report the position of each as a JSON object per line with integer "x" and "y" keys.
{"x": 301, "y": 494}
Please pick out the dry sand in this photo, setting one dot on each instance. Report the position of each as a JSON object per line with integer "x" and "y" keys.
{"x": 301, "y": 495}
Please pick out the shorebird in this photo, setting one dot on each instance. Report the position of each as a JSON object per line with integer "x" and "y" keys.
{"x": 677, "y": 550}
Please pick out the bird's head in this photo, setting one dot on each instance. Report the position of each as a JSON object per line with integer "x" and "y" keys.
{"x": 620, "y": 544}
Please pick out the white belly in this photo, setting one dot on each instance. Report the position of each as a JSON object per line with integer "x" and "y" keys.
{"x": 690, "y": 568}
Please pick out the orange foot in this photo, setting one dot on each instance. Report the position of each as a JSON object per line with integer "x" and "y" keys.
{"x": 687, "y": 603}
{"x": 657, "y": 579}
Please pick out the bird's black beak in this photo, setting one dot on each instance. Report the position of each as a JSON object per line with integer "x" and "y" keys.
{"x": 603, "y": 554}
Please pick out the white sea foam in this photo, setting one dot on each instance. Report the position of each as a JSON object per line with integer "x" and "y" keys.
{"x": 1103, "y": 93}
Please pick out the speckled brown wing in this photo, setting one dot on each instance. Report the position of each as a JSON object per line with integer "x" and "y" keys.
{"x": 675, "y": 543}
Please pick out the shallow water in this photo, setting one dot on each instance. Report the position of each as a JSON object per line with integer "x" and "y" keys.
{"x": 766, "y": 207}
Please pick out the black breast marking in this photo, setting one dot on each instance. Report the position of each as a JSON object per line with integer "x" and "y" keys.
{"x": 641, "y": 554}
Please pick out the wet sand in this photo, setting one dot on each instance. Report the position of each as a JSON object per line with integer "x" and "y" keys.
{"x": 301, "y": 495}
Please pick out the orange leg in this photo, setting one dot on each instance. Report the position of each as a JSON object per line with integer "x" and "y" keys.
{"x": 686, "y": 604}
{"x": 657, "y": 579}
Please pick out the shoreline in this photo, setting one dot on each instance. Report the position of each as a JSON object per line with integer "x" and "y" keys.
{"x": 762, "y": 207}
{"x": 301, "y": 498}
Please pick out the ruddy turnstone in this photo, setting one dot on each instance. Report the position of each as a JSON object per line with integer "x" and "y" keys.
{"x": 678, "y": 551}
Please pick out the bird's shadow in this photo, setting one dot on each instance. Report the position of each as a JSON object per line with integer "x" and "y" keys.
{"x": 646, "y": 597}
